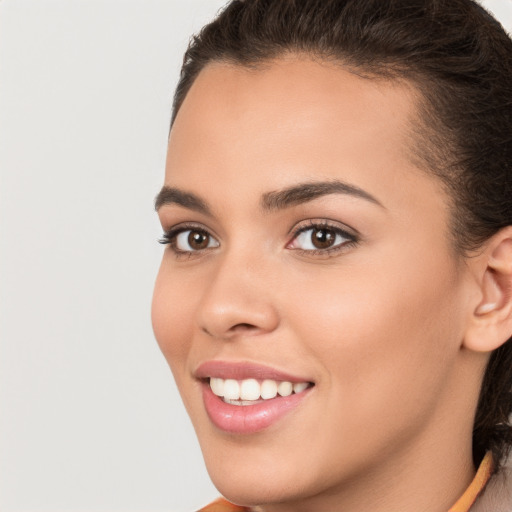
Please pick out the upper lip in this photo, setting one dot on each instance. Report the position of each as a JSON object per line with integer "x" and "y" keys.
{"x": 243, "y": 370}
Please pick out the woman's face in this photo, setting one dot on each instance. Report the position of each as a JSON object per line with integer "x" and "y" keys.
{"x": 307, "y": 249}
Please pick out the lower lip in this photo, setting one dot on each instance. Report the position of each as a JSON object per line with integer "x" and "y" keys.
{"x": 248, "y": 419}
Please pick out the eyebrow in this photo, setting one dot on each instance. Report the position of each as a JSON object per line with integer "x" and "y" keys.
{"x": 171, "y": 195}
{"x": 305, "y": 192}
{"x": 270, "y": 201}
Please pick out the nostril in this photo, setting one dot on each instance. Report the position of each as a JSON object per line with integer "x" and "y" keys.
{"x": 243, "y": 327}
{"x": 235, "y": 329}
{"x": 230, "y": 308}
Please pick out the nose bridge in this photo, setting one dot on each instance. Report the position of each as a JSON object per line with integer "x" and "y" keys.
{"x": 238, "y": 297}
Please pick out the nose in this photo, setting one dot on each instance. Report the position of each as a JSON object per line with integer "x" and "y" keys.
{"x": 238, "y": 301}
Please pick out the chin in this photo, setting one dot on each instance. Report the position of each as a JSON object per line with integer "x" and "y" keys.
{"x": 258, "y": 489}
{"x": 261, "y": 473}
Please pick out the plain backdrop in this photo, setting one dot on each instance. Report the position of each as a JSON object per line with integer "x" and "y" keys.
{"x": 90, "y": 419}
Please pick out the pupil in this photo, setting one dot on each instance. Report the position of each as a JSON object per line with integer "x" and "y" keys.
{"x": 323, "y": 238}
{"x": 198, "y": 240}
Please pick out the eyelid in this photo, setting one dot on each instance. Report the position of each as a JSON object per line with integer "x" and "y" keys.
{"x": 183, "y": 226}
{"x": 324, "y": 223}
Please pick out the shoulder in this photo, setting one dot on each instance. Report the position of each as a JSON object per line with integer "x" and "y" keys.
{"x": 497, "y": 495}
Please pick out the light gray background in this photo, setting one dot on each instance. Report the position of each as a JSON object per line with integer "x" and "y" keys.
{"x": 89, "y": 416}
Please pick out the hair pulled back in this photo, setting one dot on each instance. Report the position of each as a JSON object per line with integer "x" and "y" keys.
{"x": 460, "y": 59}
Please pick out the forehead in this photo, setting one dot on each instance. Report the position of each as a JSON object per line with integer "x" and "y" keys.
{"x": 293, "y": 87}
{"x": 292, "y": 119}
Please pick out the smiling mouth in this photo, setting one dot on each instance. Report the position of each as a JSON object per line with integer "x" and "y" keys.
{"x": 244, "y": 398}
{"x": 248, "y": 392}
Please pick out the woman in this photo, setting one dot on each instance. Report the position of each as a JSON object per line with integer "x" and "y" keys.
{"x": 335, "y": 300}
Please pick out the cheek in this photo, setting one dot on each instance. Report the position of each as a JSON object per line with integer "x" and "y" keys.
{"x": 387, "y": 334}
{"x": 171, "y": 314}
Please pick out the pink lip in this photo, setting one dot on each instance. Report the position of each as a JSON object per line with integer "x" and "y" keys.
{"x": 238, "y": 419}
{"x": 248, "y": 419}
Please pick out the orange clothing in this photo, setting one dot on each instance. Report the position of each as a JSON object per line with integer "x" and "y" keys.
{"x": 477, "y": 486}
{"x": 463, "y": 504}
{"x": 221, "y": 505}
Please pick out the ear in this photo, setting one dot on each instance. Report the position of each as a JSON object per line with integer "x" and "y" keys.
{"x": 491, "y": 321}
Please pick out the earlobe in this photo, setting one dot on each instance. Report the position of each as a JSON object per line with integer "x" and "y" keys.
{"x": 491, "y": 322}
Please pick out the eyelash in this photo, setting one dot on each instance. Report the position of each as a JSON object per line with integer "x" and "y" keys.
{"x": 170, "y": 238}
{"x": 351, "y": 238}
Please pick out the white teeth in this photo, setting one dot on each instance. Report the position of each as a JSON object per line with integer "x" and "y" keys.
{"x": 268, "y": 389}
{"x": 217, "y": 386}
{"x": 231, "y": 389}
{"x": 239, "y": 402}
{"x": 285, "y": 388}
{"x": 298, "y": 387}
{"x": 250, "y": 389}
{"x": 247, "y": 391}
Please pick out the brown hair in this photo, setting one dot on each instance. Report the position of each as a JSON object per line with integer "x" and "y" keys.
{"x": 460, "y": 59}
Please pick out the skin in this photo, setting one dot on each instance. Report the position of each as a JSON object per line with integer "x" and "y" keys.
{"x": 378, "y": 325}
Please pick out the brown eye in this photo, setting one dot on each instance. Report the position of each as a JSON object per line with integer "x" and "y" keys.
{"x": 198, "y": 240}
{"x": 323, "y": 238}
{"x": 192, "y": 240}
